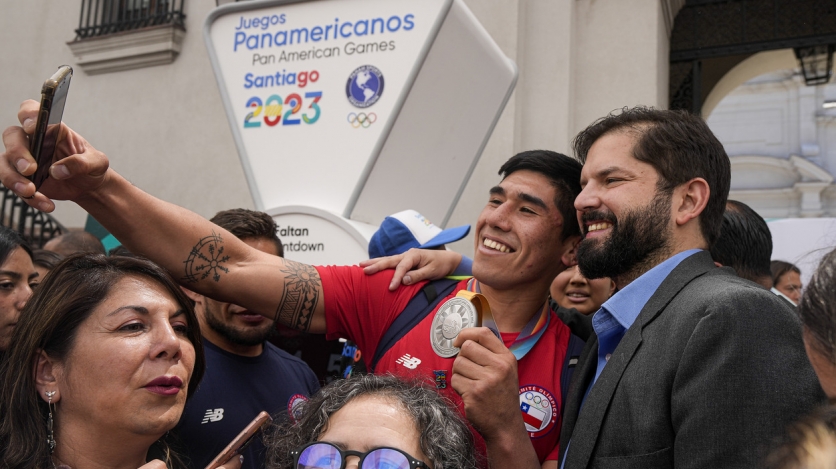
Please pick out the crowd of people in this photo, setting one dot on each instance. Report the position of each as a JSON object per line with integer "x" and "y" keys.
{"x": 618, "y": 311}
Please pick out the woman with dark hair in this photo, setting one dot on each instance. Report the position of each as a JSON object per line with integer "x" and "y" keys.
{"x": 104, "y": 357}
{"x": 373, "y": 422}
{"x": 17, "y": 278}
{"x": 786, "y": 280}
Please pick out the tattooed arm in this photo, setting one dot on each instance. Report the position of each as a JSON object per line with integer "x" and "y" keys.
{"x": 206, "y": 258}
{"x": 199, "y": 254}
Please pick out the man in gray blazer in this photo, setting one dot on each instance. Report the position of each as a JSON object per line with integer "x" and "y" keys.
{"x": 690, "y": 366}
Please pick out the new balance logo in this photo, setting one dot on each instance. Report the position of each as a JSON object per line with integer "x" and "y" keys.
{"x": 409, "y": 361}
{"x": 213, "y": 415}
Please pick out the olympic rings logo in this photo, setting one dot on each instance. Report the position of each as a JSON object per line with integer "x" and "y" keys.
{"x": 537, "y": 400}
{"x": 361, "y": 119}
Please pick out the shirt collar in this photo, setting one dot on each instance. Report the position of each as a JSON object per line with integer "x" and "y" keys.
{"x": 626, "y": 304}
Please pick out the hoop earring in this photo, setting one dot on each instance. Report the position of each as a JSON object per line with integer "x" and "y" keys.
{"x": 50, "y": 436}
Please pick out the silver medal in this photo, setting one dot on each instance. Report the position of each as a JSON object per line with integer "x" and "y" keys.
{"x": 453, "y": 316}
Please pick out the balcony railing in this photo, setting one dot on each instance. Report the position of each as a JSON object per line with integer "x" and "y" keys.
{"x": 102, "y": 17}
{"x": 35, "y": 226}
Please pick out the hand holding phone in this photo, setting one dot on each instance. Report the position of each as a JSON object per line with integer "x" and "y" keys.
{"x": 42, "y": 142}
{"x": 241, "y": 441}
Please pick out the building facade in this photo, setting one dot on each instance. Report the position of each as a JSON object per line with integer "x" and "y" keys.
{"x": 149, "y": 100}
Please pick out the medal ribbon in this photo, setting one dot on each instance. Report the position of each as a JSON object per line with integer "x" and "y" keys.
{"x": 530, "y": 334}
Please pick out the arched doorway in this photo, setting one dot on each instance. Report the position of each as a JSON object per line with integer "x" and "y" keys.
{"x": 711, "y": 37}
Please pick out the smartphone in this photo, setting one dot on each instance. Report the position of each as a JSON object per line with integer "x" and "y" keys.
{"x": 241, "y": 441}
{"x": 42, "y": 142}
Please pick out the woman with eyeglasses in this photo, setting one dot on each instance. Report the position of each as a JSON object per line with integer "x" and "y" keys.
{"x": 373, "y": 422}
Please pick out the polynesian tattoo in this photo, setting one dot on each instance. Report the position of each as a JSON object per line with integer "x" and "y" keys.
{"x": 206, "y": 259}
{"x": 301, "y": 293}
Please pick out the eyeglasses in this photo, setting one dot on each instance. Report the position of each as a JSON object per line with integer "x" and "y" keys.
{"x": 321, "y": 455}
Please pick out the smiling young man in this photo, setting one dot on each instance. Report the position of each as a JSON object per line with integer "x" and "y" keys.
{"x": 524, "y": 237}
{"x": 521, "y": 242}
{"x": 691, "y": 366}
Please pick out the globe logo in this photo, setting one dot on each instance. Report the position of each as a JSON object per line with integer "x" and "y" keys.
{"x": 364, "y": 86}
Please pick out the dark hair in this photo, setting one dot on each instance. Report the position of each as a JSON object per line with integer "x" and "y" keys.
{"x": 809, "y": 443}
{"x": 11, "y": 240}
{"x": 779, "y": 268}
{"x": 563, "y": 172}
{"x": 74, "y": 242}
{"x": 817, "y": 307}
{"x": 745, "y": 242}
{"x": 680, "y": 146}
{"x": 46, "y": 259}
{"x": 246, "y": 224}
{"x": 445, "y": 437}
{"x": 49, "y": 322}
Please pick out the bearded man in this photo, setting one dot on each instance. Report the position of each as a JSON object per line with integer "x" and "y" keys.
{"x": 691, "y": 366}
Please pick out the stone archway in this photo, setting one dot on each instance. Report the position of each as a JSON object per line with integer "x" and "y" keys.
{"x": 710, "y": 38}
{"x": 751, "y": 67}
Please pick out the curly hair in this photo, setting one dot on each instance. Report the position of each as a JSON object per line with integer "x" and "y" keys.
{"x": 810, "y": 443}
{"x": 445, "y": 437}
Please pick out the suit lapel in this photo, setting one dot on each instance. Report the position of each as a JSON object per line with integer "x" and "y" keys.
{"x": 586, "y": 427}
{"x": 592, "y": 414}
{"x": 687, "y": 270}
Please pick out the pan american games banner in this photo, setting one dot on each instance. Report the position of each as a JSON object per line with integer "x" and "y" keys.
{"x": 312, "y": 86}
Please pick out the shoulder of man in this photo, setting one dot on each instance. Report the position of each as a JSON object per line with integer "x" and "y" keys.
{"x": 722, "y": 292}
{"x": 300, "y": 369}
{"x": 277, "y": 353}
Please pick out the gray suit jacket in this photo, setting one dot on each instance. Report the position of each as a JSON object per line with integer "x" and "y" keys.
{"x": 710, "y": 373}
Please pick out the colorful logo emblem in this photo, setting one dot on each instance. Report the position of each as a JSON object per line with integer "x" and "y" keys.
{"x": 440, "y": 379}
{"x": 539, "y": 410}
{"x": 361, "y": 119}
{"x": 294, "y": 404}
{"x": 364, "y": 86}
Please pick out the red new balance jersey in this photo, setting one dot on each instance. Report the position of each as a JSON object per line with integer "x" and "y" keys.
{"x": 360, "y": 307}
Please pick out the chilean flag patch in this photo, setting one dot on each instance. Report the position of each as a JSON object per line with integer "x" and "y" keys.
{"x": 532, "y": 416}
{"x": 539, "y": 410}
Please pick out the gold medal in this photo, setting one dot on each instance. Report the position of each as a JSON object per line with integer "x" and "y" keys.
{"x": 463, "y": 311}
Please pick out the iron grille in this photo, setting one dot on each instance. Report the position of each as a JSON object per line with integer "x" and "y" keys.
{"x": 35, "y": 226}
{"x": 102, "y": 17}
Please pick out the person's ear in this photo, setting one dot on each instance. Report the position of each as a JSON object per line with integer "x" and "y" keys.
{"x": 612, "y": 287}
{"x": 690, "y": 199}
{"x": 568, "y": 254}
{"x": 47, "y": 372}
{"x": 196, "y": 297}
